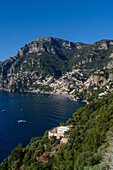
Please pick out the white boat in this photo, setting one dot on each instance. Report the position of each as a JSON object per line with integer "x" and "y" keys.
{"x": 22, "y": 121}
{"x": 21, "y": 109}
{"x": 3, "y": 110}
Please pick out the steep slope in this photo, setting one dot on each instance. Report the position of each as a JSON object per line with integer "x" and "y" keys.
{"x": 54, "y": 57}
{"x": 83, "y": 151}
{"x": 36, "y": 60}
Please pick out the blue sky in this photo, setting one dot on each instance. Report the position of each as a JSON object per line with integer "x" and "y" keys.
{"x": 75, "y": 20}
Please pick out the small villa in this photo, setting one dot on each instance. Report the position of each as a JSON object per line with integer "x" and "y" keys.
{"x": 52, "y": 133}
{"x": 59, "y": 132}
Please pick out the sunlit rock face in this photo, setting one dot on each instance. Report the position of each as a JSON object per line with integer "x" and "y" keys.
{"x": 49, "y": 58}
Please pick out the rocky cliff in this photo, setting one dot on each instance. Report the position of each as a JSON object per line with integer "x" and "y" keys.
{"x": 54, "y": 57}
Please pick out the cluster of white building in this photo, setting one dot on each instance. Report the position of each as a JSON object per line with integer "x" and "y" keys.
{"x": 102, "y": 94}
{"x": 63, "y": 84}
{"x": 60, "y": 133}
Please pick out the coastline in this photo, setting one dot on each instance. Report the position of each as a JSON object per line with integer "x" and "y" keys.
{"x": 23, "y": 116}
{"x": 71, "y": 97}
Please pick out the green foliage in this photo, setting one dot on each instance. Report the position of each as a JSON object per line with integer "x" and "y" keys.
{"x": 89, "y": 133}
{"x": 95, "y": 95}
{"x": 55, "y": 59}
{"x": 46, "y": 133}
{"x": 61, "y": 123}
{"x": 78, "y": 112}
{"x": 101, "y": 166}
{"x": 70, "y": 122}
{"x": 17, "y": 153}
{"x": 26, "y": 160}
{"x": 15, "y": 159}
{"x": 16, "y": 164}
{"x": 91, "y": 125}
{"x": 102, "y": 147}
{"x": 86, "y": 159}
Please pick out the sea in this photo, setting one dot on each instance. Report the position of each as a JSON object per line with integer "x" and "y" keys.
{"x": 40, "y": 111}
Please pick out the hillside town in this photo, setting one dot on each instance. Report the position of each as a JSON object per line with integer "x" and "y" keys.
{"x": 76, "y": 70}
{"x": 77, "y": 85}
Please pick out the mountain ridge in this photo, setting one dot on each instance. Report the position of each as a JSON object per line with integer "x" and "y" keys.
{"x": 43, "y": 61}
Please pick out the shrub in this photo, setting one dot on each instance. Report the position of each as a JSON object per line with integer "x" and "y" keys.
{"x": 86, "y": 159}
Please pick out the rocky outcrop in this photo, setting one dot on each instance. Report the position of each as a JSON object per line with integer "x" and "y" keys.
{"x": 54, "y": 57}
{"x": 103, "y": 46}
{"x": 49, "y": 45}
{"x": 110, "y": 65}
{"x": 111, "y": 77}
{"x": 98, "y": 80}
{"x": 111, "y": 55}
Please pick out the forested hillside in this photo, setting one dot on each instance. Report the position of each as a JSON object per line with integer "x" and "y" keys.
{"x": 88, "y": 140}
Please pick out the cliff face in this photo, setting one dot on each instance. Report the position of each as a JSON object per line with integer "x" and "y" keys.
{"x": 49, "y": 56}
{"x": 51, "y": 46}
{"x": 98, "y": 80}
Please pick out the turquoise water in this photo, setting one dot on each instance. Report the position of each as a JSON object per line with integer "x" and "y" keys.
{"x": 41, "y": 111}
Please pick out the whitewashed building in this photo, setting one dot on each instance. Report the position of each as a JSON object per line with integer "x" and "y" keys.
{"x": 59, "y": 132}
